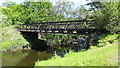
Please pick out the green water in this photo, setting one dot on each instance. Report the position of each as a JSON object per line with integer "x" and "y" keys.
{"x": 23, "y": 57}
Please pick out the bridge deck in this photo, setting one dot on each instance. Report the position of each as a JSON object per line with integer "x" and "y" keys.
{"x": 65, "y": 27}
{"x": 65, "y": 31}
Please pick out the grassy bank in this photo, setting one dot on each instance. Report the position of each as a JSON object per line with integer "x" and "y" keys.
{"x": 106, "y": 55}
{"x": 11, "y": 39}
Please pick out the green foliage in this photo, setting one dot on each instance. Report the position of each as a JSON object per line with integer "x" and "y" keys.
{"x": 96, "y": 56}
{"x": 56, "y": 39}
{"x": 12, "y": 39}
{"x": 95, "y": 5}
{"x": 28, "y": 12}
{"x": 107, "y": 38}
{"x": 106, "y": 15}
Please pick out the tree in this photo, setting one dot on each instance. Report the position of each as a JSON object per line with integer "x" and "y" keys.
{"x": 8, "y": 4}
{"x": 95, "y": 5}
{"x": 27, "y": 12}
{"x": 63, "y": 9}
{"x": 37, "y": 11}
{"x": 80, "y": 12}
{"x": 106, "y": 15}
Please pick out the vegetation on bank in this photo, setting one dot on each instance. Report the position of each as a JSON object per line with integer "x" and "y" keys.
{"x": 106, "y": 55}
{"x": 105, "y": 15}
{"x": 12, "y": 39}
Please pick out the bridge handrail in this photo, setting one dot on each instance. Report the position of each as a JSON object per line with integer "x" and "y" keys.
{"x": 60, "y": 22}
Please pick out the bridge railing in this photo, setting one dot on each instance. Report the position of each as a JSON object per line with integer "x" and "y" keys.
{"x": 77, "y": 24}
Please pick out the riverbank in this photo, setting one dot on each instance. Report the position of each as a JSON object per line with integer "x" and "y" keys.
{"x": 104, "y": 54}
{"x": 12, "y": 39}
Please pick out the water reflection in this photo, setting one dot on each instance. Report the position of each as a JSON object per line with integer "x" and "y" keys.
{"x": 23, "y": 57}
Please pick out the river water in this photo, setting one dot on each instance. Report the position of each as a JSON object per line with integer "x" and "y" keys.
{"x": 28, "y": 57}
{"x": 23, "y": 57}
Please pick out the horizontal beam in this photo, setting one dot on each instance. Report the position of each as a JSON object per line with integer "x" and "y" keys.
{"x": 67, "y": 31}
{"x": 60, "y": 22}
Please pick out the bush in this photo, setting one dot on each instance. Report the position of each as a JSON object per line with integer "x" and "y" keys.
{"x": 11, "y": 38}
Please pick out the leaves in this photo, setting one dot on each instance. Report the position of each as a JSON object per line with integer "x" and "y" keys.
{"x": 106, "y": 15}
{"x": 28, "y": 12}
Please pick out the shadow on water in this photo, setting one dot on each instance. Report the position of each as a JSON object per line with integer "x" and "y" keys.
{"x": 78, "y": 44}
{"x": 27, "y": 57}
{"x": 83, "y": 42}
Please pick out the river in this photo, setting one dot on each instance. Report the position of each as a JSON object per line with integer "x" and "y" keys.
{"x": 28, "y": 57}
{"x": 25, "y": 57}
